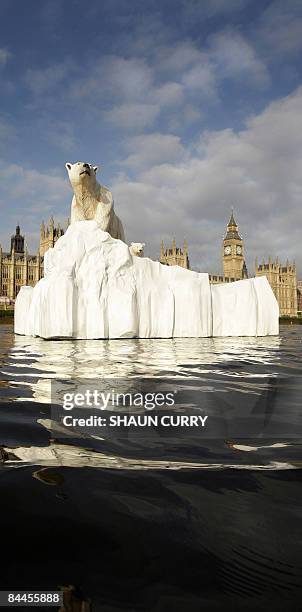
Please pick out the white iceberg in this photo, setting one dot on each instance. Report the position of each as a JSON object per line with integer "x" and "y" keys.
{"x": 93, "y": 287}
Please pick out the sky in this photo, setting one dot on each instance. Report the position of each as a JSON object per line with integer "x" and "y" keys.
{"x": 188, "y": 107}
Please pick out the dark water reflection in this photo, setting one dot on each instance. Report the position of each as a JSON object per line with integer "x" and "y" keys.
{"x": 191, "y": 524}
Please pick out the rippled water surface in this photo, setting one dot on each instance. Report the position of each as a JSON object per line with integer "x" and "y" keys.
{"x": 190, "y": 521}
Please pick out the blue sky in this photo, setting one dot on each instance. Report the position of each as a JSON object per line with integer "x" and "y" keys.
{"x": 189, "y": 107}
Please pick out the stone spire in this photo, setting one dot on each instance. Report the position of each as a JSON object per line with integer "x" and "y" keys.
{"x": 232, "y": 228}
{"x": 232, "y": 223}
{"x": 17, "y": 242}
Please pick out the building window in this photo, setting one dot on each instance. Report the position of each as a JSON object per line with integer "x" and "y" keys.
{"x": 18, "y": 272}
{"x": 5, "y": 272}
{"x": 4, "y": 290}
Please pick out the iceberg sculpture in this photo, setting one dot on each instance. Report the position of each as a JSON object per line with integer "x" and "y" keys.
{"x": 93, "y": 287}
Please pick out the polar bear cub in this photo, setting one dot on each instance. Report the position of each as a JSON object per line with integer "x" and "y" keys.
{"x": 91, "y": 200}
{"x": 137, "y": 249}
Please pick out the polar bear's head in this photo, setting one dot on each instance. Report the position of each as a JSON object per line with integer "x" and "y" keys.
{"x": 137, "y": 248}
{"x": 81, "y": 173}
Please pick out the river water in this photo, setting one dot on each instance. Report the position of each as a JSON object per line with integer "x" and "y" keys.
{"x": 180, "y": 521}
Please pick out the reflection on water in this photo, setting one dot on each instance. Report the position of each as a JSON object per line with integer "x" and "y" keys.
{"x": 247, "y": 380}
{"x": 134, "y": 358}
{"x": 188, "y": 523}
{"x": 33, "y": 362}
{"x": 72, "y": 456}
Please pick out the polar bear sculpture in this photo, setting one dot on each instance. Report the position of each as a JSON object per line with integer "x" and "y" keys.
{"x": 94, "y": 288}
{"x": 92, "y": 201}
{"x": 137, "y": 248}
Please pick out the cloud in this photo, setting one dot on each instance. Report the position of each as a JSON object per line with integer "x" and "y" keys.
{"x": 280, "y": 28}
{"x": 130, "y": 77}
{"x": 27, "y": 183}
{"x": 192, "y": 70}
{"x": 45, "y": 80}
{"x": 148, "y": 149}
{"x": 5, "y": 56}
{"x": 145, "y": 95}
{"x": 114, "y": 77}
{"x": 168, "y": 94}
{"x": 194, "y": 9}
{"x": 133, "y": 93}
{"x": 32, "y": 195}
{"x": 177, "y": 57}
{"x": 177, "y": 80}
{"x": 133, "y": 116}
{"x": 58, "y": 133}
{"x": 234, "y": 58}
{"x": 201, "y": 78}
{"x": 258, "y": 170}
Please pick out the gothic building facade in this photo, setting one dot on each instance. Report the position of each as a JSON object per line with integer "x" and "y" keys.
{"x": 18, "y": 267}
{"x": 299, "y": 297}
{"x": 175, "y": 256}
{"x": 283, "y": 279}
{"x": 49, "y": 235}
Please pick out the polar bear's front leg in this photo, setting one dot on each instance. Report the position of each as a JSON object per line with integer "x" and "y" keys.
{"x": 102, "y": 217}
{"x": 76, "y": 213}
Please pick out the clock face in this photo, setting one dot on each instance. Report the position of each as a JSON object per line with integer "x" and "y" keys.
{"x": 227, "y": 250}
{"x": 238, "y": 249}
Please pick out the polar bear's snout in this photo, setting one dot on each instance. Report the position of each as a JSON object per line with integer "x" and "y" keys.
{"x": 86, "y": 169}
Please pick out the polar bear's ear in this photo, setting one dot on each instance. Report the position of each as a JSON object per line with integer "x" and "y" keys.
{"x": 68, "y": 166}
{"x": 95, "y": 169}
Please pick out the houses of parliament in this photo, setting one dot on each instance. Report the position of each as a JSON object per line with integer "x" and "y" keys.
{"x": 18, "y": 267}
{"x": 282, "y": 278}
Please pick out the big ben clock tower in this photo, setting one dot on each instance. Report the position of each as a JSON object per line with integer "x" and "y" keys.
{"x": 232, "y": 253}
